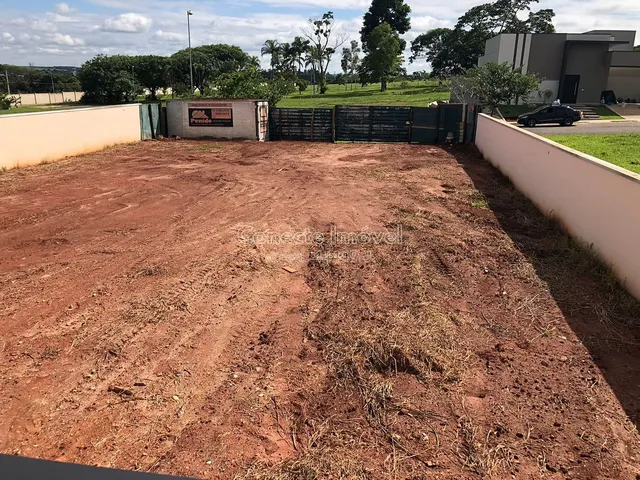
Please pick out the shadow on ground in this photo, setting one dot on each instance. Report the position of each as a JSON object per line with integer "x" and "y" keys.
{"x": 600, "y": 312}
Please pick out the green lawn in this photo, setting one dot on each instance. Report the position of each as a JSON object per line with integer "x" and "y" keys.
{"x": 621, "y": 149}
{"x": 606, "y": 113}
{"x": 41, "y": 108}
{"x": 413, "y": 93}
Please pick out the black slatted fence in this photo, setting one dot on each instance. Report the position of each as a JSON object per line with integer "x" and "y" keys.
{"x": 372, "y": 124}
{"x": 350, "y": 123}
{"x": 310, "y": 124}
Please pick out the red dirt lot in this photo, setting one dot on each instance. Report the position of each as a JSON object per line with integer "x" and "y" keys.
{"x": 149, "y": 323}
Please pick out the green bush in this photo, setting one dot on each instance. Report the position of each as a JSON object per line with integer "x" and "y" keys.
{"x": 302, "y": 85}
{"x": 7, "y": 101}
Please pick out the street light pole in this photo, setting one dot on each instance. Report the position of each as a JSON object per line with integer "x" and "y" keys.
{"x": 189, "y": 13}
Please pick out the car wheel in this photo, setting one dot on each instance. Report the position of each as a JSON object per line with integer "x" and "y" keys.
{"x": 568, "y": 121}
{"x": 531, "y": 122}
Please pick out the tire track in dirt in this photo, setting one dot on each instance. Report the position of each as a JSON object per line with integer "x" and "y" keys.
{"x": 158, "y": 339}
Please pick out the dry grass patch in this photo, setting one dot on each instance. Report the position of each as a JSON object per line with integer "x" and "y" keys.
{"x": 316, "y": 464}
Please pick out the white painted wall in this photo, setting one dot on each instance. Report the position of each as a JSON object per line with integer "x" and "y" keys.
{"x": 595, "y": 201}
{"x": 30, "y": 138}
{"x": 245, "y": 119}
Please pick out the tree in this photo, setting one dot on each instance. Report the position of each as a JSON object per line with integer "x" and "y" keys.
{"x": 7, "y": 101}
{"x": 324, "y": 41}
{"x": 350, "y": 60}
{"x": 297, "y": 51}
{"x": 209, "y": 61}
{"x": 152, "y": 72}
{"x": 502, "y": 16}
{"x": 346, "y": 61}
{"x": 287, "y": 62}
{"x": 452, "y": 51}
{"x": 37, "y": 79}
{"x": 636, "y": 48}
{"x": 394, "y": 13}
{"x": 383, "y": 58}
{"x": 108, "y": 80}
{"x": 249, "y": 83}
{"x": 495, "y": 84}
{"x": 301, "y": 85}
{"x": 545, "y": 94}
{"x": 393, "y": 17}
{"x": 272, "y": 47}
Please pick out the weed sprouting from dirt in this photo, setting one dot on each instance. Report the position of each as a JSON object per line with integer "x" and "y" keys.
{"x": 421, "y": 345}
{"x": 314, "y": 464}
{"x": 151, "y": 271}
{"x": 208, "y": 148}
{"x": 482, "y": 455}
{"x": 154, "y": 311}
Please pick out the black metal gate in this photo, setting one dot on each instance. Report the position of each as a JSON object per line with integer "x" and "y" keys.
{"x": 430, "y": 125}
{"x": 311, "y": 124}
{"x": 424, "y": 125}
{"x": 372, "y": 124}
{"x": 451, "y": 123}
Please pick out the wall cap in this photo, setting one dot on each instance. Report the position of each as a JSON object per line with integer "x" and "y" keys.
{"x": 582, "y": 156}
{"x": 68, "y": 110}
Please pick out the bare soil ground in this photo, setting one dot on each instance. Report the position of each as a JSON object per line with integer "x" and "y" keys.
{"x": 145, "y": 326}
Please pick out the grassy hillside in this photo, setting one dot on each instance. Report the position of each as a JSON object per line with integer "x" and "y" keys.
{"x": 398, "y": 93}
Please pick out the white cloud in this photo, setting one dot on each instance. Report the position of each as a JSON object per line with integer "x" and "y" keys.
{"x": 42, "y": 25}
{"x": 161, "y": 24}
{"x": 128, "y": 23}
{"x": 63, "y": 8}
{"x": 57, "y": 18}
{"x": 60, "y": 39}
{"x": 7, "y": 37}
{"x": 51, "y": 51}
{"x": 326, "y": 4}
{"x": 26, "y": 38}
{"x": 170, "y": 37}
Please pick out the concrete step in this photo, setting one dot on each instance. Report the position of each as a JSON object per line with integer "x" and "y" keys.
{"x": 588, "y": 112}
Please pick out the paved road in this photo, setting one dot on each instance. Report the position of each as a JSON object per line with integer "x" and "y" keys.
{"x": 599, "y": 128}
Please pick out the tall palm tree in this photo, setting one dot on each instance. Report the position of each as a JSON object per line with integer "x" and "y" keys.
{"x": 313, "y": 58}
{"x": 299, "y": 48}
{"x": 272, "y": 47}
{"x": 287, "y": 55}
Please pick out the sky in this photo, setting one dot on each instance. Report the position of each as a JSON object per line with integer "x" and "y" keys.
{"x": 42, "y": 32}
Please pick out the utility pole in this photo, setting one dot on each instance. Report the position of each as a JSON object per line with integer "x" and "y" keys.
{"x": 6, "y": 74}
{"x": 53, "y": 87}
{"x": 189, "y": 13}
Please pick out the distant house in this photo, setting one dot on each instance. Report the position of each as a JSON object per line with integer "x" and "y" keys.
{"x": 577, "y": 68}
